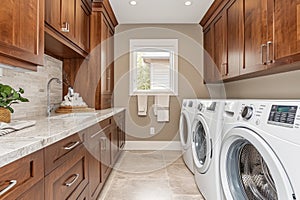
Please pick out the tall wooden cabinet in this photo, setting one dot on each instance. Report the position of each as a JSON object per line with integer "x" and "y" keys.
{"x": 22, "y": 33}
{"x": 102, "y": 57}
{"x": 251, "y": 38}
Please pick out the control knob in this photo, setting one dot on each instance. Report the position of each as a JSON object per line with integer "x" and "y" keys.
{"x": 247, "y": 112}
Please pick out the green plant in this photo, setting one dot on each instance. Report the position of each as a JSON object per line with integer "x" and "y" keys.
{"x": 9, "y": 96}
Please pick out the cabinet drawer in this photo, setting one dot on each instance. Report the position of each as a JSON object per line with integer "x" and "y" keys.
{"x": 34, "y": 193}
{"x": 58, "y": 153}
{"x": 19, "y": 176}
{"x": 105, "y": 123}
{"x": 68, "y": 180}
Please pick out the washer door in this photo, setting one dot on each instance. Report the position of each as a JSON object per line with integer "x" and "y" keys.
{"x": 185, "y": 130}
{"x": 202, "y": 145}
{"x": 250, "y": 169}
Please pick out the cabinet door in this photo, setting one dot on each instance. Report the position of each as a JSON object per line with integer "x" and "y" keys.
{"x": 93, "y": 145}
{"x": 106, "y": 153}
{"x": 234, "y": 39}
{"x": 220, "y": 45}
{"x": 22, "y": 32}
{"x": 52, "y": 13}
{"x": 286, "y": 28}
{"x": 68, "y": 8}
{"x": 83, "y": 26}
{"x": 209, "y": 65}
{"x": 255, "y": 36}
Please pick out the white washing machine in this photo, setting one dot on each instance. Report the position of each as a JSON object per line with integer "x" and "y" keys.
{"x": 259, "y": 157}
{"x": 188, "y": 111}
{"x": 207, "y": 128}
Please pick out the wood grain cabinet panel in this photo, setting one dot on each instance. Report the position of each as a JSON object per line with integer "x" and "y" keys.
{"x": 58, "y": 153}
{"x": 20, "y": 180}
{"x": 256, "y": 33}
{"x": 220, "y": 46}
{"x": 209, "y": 65}
{"x": 69, "y": 179}
{"x": 234, "y": 39}
{"x": 67, "y": 28}
{"x": 286, "y": 42}
{"x": 22, "y": 33}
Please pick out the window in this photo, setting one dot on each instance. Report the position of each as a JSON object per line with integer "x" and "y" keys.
{"x": 153, "y": 66}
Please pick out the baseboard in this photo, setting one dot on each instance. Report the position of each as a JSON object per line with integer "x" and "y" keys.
{"x": 152, "y": 145}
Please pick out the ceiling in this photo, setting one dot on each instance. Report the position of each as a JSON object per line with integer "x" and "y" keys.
{"x": 160, "y": 11}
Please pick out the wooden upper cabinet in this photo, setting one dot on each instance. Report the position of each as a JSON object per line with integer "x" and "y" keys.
{"x": 220, "y": 46}
{"x": 22, "y": 33}
{"x": 286, "y": 30}
{"x": 259, "y": 36}
{"x": 60, "y": 15}
{"x": 256, "y": 32}
{"x": 67, "y": 28}
{"x": 83, "y": 25}
{"x": 209, "y": 65}
{"x": 68, "y": 12}
{"x": 234, "y": 39}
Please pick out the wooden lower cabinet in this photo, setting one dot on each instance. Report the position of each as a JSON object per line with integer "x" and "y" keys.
{"x": 68, "y": 180}
{"x": 36, "y": 192}
{"x": 73, "y": 168}
{"x": 21, "y": 180}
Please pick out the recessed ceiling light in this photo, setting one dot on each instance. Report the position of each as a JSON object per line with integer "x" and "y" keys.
{"x": 133, "y": 3}
{"x": 188, "y": 3}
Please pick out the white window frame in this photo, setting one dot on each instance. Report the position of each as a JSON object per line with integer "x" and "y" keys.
{"x": 170, "y": 45}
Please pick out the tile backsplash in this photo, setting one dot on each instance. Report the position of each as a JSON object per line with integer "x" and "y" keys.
{"x": 35, "y": 86}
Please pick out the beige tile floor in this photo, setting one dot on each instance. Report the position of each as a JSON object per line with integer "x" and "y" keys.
{"x": 150, "y": 175}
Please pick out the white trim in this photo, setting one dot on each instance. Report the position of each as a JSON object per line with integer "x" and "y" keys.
{"x": 152, "y": 145}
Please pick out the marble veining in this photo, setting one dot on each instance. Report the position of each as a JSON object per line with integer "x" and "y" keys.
{"x": 46, "y": 132}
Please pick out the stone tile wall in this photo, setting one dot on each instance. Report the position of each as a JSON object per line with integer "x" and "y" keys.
{"x": 35, "y": 86}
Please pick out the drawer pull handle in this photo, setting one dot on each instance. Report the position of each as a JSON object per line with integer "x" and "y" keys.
{"x": 76, "y": 176}
{"x": 71, "y": 146}
{"x": 12, "y": 183}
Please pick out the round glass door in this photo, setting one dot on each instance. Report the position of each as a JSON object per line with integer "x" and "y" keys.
{"x": 201, "y": 145}
{"x": 249, "y": 169}
{"x": 185, "y": 129}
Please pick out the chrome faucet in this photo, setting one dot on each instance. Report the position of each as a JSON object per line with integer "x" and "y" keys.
{"x": 49, "y": 107}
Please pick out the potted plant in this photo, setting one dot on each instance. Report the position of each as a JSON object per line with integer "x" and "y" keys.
{"x": 9, "y": 96}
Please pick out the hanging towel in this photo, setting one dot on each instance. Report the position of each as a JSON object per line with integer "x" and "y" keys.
{"x": 142, "y": 105}
{"x": 161, "y": 108}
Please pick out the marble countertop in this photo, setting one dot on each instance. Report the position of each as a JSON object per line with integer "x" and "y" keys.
{"x": 47, "y": 131}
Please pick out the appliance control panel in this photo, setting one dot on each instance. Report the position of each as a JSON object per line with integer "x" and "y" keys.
{"x": 283, "y": 115}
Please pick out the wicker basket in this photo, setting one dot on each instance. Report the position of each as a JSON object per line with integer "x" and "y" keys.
{"x": 4, "y": 115}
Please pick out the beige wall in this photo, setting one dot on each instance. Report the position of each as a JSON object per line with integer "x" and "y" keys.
{"x": 190, "y": 77}
{"x": 35, "y": 84}
{"x": 278, "y": 86}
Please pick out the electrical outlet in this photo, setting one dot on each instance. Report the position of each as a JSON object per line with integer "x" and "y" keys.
{"x": 152, "y": 130}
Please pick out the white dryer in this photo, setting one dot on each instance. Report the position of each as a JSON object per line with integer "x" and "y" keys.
{"x": 188, "y": 111}
{"x": 207, "y": 128}
{"x": 259, "y": 157}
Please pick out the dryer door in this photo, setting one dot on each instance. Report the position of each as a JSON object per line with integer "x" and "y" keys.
{"x": 250, "y": 169}
{"x": 185, "y": 130}
{"x": 201, "y": 145}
